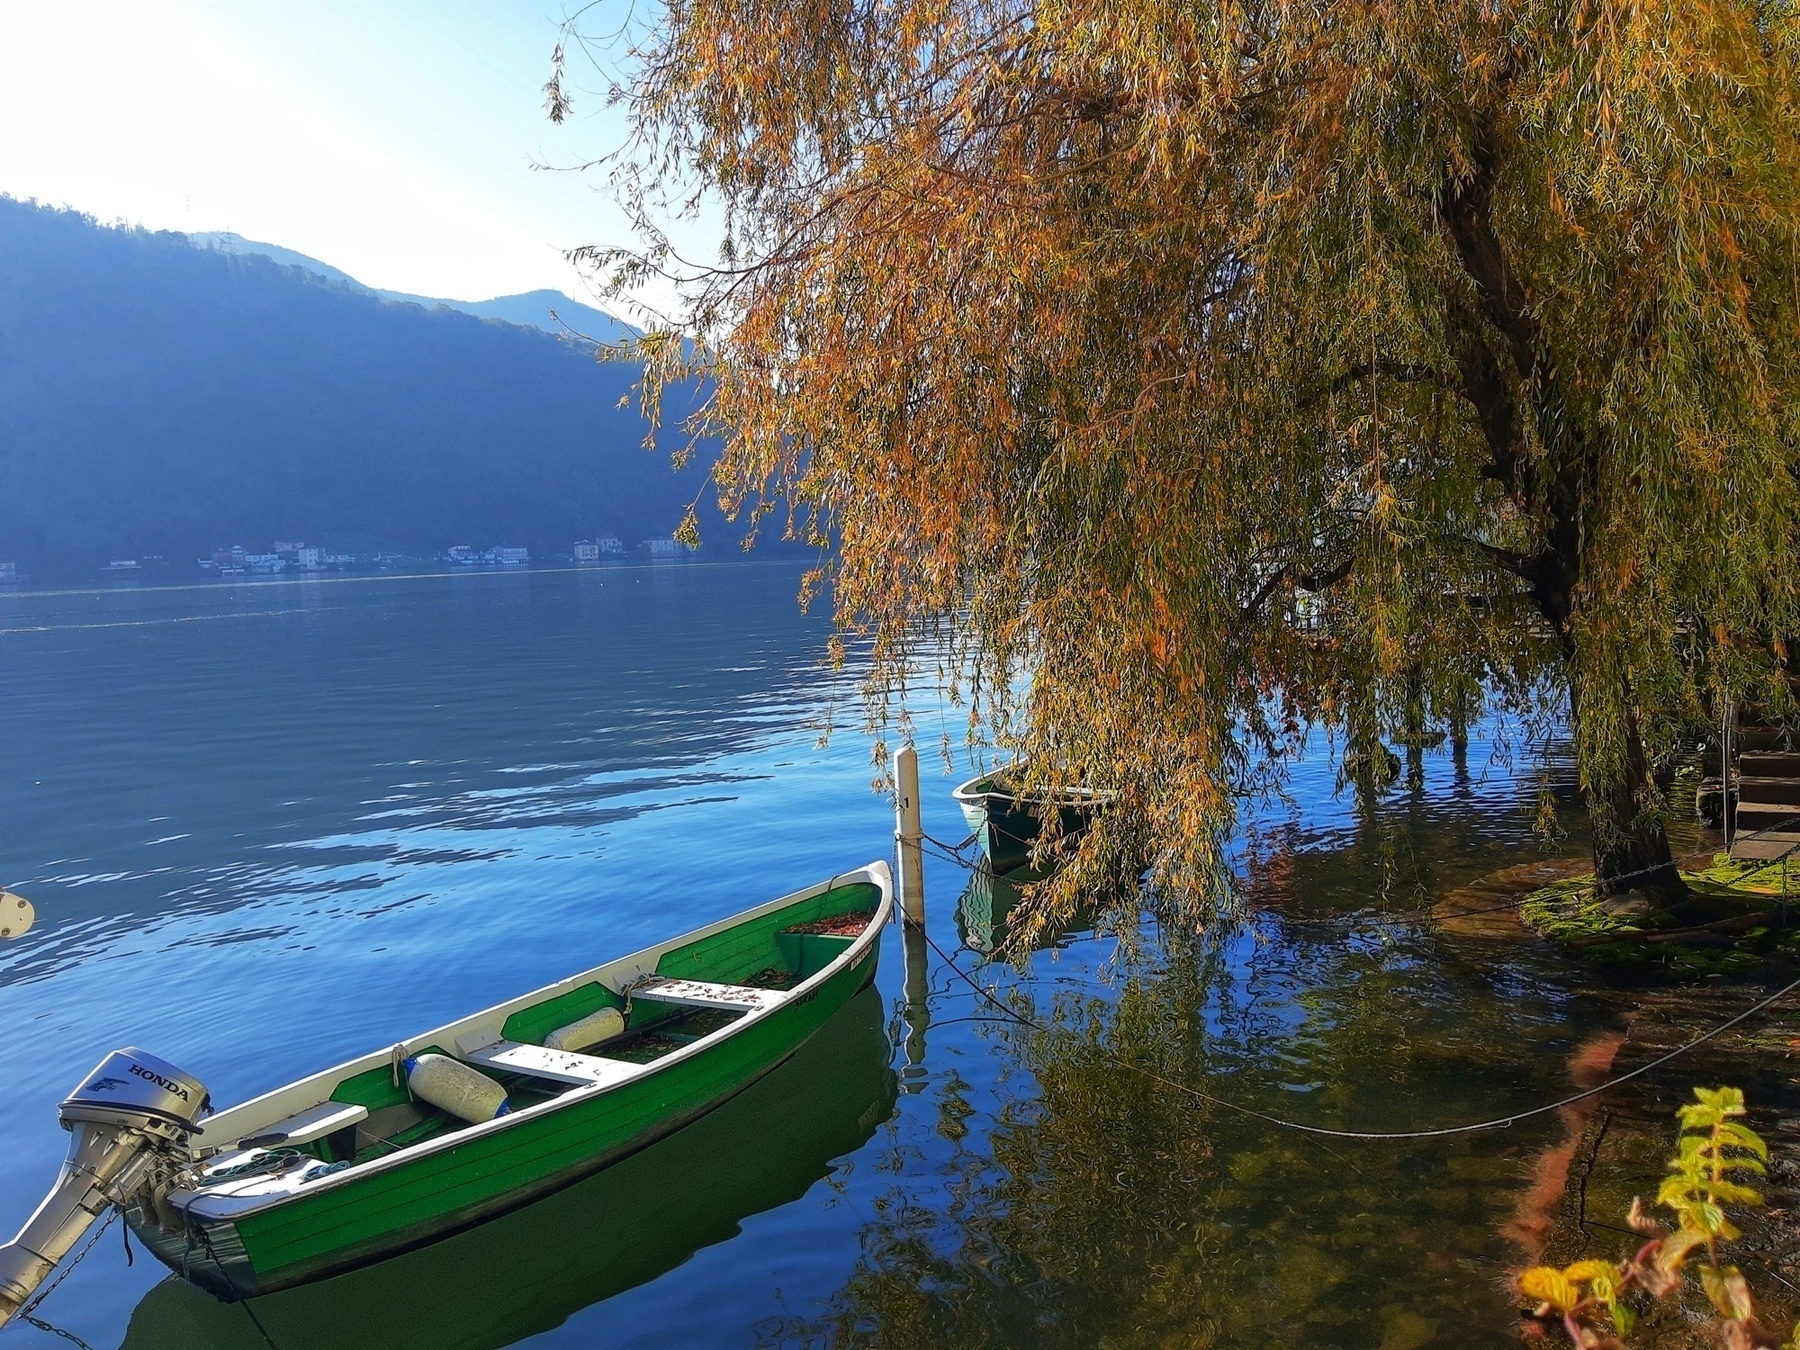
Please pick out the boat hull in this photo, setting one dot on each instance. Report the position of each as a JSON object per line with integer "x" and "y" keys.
{"x": 1006, "y": 826}
{"x": 444, "y": 1191}
{"x": 631, "y": 1222}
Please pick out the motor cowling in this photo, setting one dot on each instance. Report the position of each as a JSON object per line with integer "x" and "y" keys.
{"x": 131, "y": 1115}
{"x": 138, "y": 1091}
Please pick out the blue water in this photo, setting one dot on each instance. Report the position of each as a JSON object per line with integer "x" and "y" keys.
{"x": 269, "y": 827}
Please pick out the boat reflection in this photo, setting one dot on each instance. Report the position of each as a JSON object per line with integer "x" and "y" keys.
{"x": 988, "y": 901}
{"x": 529, "y": 1271}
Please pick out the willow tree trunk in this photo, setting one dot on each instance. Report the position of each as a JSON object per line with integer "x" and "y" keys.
{"x": 1631, "y": 845}
{"x": 1501, "y": 329}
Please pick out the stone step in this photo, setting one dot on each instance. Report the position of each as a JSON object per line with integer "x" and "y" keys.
{"x": 1772, "y": 790}
{"x": 1766, "y": 846}
{"x": 1748, "y": 819}
{"x": 1760, "y": 738}
{"x": 1769, "y": 764}
{"x": 1751, "y": 801}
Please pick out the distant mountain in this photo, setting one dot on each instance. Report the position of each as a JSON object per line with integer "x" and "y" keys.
{"x": 227, "y": 242}
{"x": 158, "y": 398}
{"x": 551, "y": 311}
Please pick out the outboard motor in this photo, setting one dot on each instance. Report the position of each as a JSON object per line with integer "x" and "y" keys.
{"x": 134, "y": 1113}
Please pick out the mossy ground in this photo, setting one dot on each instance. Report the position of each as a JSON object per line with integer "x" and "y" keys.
{"x": 1738, "y": 916}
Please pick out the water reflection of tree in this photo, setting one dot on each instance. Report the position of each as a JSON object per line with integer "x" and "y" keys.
{"x": 1107, "y": 1209}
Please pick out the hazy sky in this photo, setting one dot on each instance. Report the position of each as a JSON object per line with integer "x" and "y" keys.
{"x": 391, "y": 138}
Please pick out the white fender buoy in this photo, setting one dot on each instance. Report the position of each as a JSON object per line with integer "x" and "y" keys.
{"x": 16, "y": 915}
{"x": 598, "y": 1026}
{"x": 464, "y": 1092}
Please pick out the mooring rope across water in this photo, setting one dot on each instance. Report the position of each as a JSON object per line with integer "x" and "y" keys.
{"x": 1497, "y": 1123}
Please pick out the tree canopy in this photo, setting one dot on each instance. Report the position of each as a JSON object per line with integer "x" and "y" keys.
{"x": 1238, "y": 371}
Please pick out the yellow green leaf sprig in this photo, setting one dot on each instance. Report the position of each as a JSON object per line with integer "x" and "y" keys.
{"x": 1715, "y": 1153}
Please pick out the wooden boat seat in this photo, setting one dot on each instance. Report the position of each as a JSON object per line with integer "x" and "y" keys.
{"x": 704, "y": 994}
{"x": 305, "y": 1126}
{"x": 487, "y": 1050}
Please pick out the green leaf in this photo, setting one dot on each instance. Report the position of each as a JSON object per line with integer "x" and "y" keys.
{"x": 1549, "y": 1285}
{"x": 1675, "y": 1248}
{"x": 1730, "y": 1193}
{"x": 1728, "y": 1292}
{"x": 1742, "y": 1136}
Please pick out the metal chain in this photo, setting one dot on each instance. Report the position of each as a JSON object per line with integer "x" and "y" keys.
{"x": 28, "y": 1311}
{"x": 952, "y": 853}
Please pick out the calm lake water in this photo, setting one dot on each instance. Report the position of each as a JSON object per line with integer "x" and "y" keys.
{"x": 270, "y": 827}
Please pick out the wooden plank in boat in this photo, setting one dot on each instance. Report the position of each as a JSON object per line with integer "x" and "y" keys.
{"x": 305, "y": 1126}
{"x": 704, "y": 994}
{"x": 558, "y": 1066}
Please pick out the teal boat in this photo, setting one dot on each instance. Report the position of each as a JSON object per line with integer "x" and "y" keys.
{"x": 409, "y": 1145}
{"x": 1006, "y": 818}
{"x": 984, "y": 911}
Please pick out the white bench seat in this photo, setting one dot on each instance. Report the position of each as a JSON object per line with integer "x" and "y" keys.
{"x": 558, "y": 1066}
{"x": 703, "y": 994}
{"x": 305, "y": 1126}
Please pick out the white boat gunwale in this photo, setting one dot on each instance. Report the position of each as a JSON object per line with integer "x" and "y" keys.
{"x": 971, "y": 794}
{"x": 270, "y": 1108}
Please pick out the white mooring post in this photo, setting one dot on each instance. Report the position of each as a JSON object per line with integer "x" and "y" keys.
{"x": 909, "y": 833}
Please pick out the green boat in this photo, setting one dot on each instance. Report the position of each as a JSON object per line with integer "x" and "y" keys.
{"x": 408, "y": 1145}
{"x": 1006, "y": 818}
{"x": 531, "y": 1270}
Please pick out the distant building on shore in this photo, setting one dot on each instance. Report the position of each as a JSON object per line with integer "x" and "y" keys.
{"x": 586, "y": 551}
{"x": 301, "y": 557}
{"x": 663, "y": 548}
{"x": 9, "y": 572}
{"x": 462, "y": 555}
{"x": 508, "y": 556}
{"x": 227, "y": 562}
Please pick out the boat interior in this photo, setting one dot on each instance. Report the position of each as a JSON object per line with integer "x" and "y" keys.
{"x": 599, "y": 1029}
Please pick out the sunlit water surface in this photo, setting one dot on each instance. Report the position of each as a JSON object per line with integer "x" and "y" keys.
{"x": 271, "y": 827}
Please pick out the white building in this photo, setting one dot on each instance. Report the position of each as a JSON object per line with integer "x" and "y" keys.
{"x": 586, "y": 552}
{"x": 663, "y": 548}
{"x": 508, "y": 556}
{"x": 9, "y": 571}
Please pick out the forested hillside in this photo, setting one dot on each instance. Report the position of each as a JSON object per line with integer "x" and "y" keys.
{"x": 157, "y": 398}
{"x": 550, "y": 310}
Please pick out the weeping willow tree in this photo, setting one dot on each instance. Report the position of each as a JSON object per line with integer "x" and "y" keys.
{"x": 1215, "y": 375}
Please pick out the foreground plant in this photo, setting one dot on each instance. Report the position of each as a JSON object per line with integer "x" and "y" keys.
{"x": 1593, "y": 1299}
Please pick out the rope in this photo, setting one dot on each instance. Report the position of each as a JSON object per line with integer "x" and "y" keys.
{"x": 1497, "y": 1123}
{"x": 256, "y": 1322}
{"x": 194, "y": 1230}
